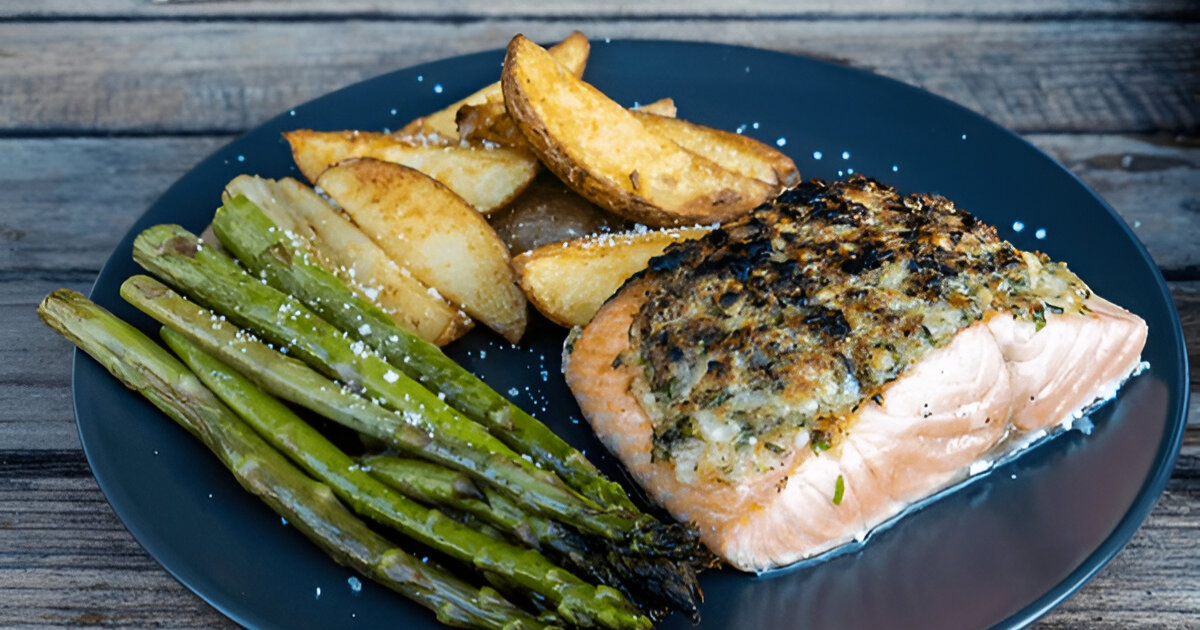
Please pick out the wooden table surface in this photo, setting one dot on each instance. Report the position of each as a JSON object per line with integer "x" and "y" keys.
{"x": 104, "y": 104}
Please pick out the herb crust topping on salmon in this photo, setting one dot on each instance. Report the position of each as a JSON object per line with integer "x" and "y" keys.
{"x": 768, "y": 333}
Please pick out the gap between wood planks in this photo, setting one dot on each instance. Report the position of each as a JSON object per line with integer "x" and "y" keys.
{"x": 171, "y": 77}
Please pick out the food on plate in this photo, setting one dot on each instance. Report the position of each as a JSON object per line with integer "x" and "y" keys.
{"x": 732, "y": 151}
{"x": 802, "y": 374}
{"x": 432, "y": 232}
{"x": 568, "y": 281}
{"x": 486, "y": 177}
{"x": 605, "y": 153}
{"x": 339, "y": 246}
{"x": 572, "y": 53}
{"x": 310, "y": 506}
{"x": 549, "y": 212}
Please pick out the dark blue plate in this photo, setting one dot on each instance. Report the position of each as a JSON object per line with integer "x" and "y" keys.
{"x": 997, "y": 552}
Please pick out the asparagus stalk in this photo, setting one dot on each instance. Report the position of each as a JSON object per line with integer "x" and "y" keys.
{"x": 424, "y": 427}
{"x": 310, "y": 506}
{"x": 432, "y": 484}
{"x": 655, "y": 587}
{"x": 267, "y": 250}
{"x": 575, "y": 600}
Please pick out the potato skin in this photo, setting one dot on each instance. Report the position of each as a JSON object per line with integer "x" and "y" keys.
{"x": 649, "y": 179}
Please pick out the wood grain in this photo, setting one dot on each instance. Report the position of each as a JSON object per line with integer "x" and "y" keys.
{"x": 63, "y": 211}
{"x": 104, "y": 104}
{"x": 148, "y": 77}
{"x": 67, "y": 201}
{"x": 65, "y": 560}
{"x": 666, "y": 9}
{"x": 1153, "y": 182}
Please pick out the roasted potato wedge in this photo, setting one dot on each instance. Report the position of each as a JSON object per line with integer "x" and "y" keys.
{"x": 549, "y": 212}
{"x": 486, "y": 178}
{"x": 343, "y": 249}
{"x": 572, "y": 53}
{"x": 605, "y": 153}
{"x": 732, "y": 151}
{"x": 431, "y": 231}
{"x": 569, "y": 281}
{"x": 489, "y": 122}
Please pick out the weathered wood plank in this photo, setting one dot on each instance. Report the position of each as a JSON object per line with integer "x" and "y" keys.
{"x": 225, "y": 76}
{"x": 478, "y": 9}
{"x": 1153, "y": 182}
{"x": 62, "y": 211}
{"x": 35, "y": 369}
{"x": 65, "y": 560}
{"x": 1187, "y": 302}
{"x": 68, "y": 201}
{"x": 1146, "y": 585}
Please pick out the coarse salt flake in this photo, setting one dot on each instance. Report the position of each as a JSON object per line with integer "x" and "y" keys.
{"x": 391, "y": 376}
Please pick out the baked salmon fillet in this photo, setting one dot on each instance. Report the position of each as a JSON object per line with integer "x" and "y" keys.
{"x": 801, "y": 375}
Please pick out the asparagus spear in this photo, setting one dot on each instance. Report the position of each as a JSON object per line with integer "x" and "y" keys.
{"x": 310, "y": 506}
{"x": 426, "y": 428}
{"x": 575, "y": 600}
{"x": 267, "y": 250}
{"x": 655, "y": 587}
{"x": 432, "y": 484}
